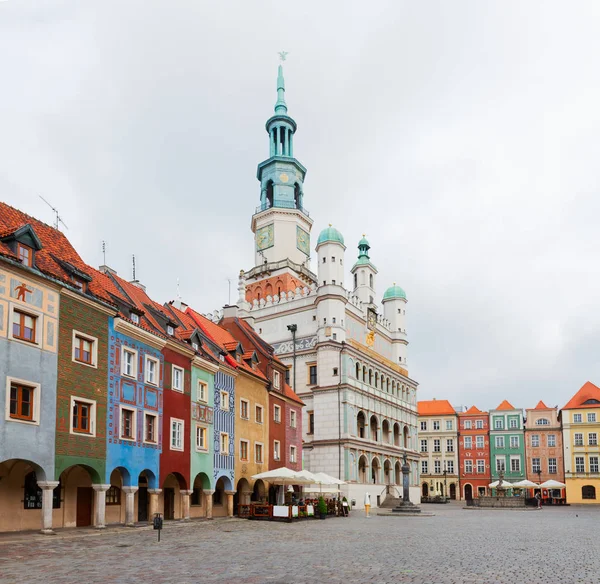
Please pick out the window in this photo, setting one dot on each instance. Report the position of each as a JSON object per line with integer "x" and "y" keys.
{"x": 542, "y": 422}
{"x": 515, "y": 465}
{"x": 424, "y": 469}
{"x": 177, "y": 379}
{"x": 591, "y": 417}
{"x": 244, "y": 449}
{"x": 324, "y": 260}
{"x": 22, "y": 401}
{"x": 593, "y": 439}
{"x": 292, "y": 418}
{"x": 552, "y": 440}
{"x": 277, "y": 414}
{"x": 311, "y": 422}
{"x": 135, "y": 318}
{"x": 170, "y": 330}
{"x": 244, "y": 409}
{"x": 276, "y": 449}
{"x": 480, "y": 466}
{"x": 437, "y": 467}
{"x": 468, "y": 466}
{"x": 150, "y": 428}
{"x": 593, "y": 464}
{"x": 84, "y": 349}
{"x": 450, "y": 466}
{"x": 436, "y": 425}
{"x": 276, "y": 379}
{"x": 513, "y": 423}
{"x": 83, "y": 413}
{"x": 312, "y": 375}
{"x": 258, "y": 414}
{"x": 151, "y": 371}
{"x": 201, "y": 442}
{"x": 535, "y": 440}
{"x": 423, "y": 425}
{"x": 552, "y": 465}
{"x": 202, "y": 391}
{"x": 113, "y": 496}
{"x": 129, "y": 358}
{"x": 24, "y": 326}
{"x": 577, "y": 418}
{"x": 450, "y": 445}
{"x": 258, "y": 453}
{"x": 334, "y": 320}
{"x": 468, "y": 424}
{"x": 536, "y": 465}
{"x": 479, "y": 424}
{"x": 224, "y": 443}
{"x": 423, "y": 445}
{"x": 579, "y": 464}
{"x": 127, "y": 424}
{"x": 448, "y": 424}
{"x": 224, "y": 401}
{"x": 499, "y": 441}
{"x": 437, "y": 446}
{"x": 514, "y": 442}
{"x": 292, "y": 454}
{"x": 480, "y": 442}
{"x": 588, "y": 492}
{"x": 335, "y": 369}
{"x": 500, "y": 463}
{"x": 176, "y": 434}
{"x": 25, "y": 254}
{"x": 498, "y": 424}
{"x": 578, "y": 439}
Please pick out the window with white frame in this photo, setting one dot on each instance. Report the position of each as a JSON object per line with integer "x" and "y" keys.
{"x": 202, "y": 391}
{"x": 83, "y": 416}
{"x": 498, "y": 423}
{"x": 437, "y": 467}
{"x": 258, "y": 414}
{"x": 450, "y": 466}
{"x": 593, "y": 464}
{"x": 480, "y": 441}
{"x": 514, "y": 442}
{"x": 224, "y": 443}
{"x": 513, "y": 423}
{"x": 499, "y": 441}
{"x": 201, "y": 438}
{"x": 423, "y": 425}
{"x": 244, "y": 446}
{"x": 449, "y": 425}
{"x": 479, "y": 424}
{"x": 276, "y": 449}
{"x": 577, "y": 418}
{"x": 424, "y": 469}
{"x": 578, "y": 439}
{"x": 128, "y": 420}
{"x": 536, "y": 465}
{"x": 292, "y": 454}
{"x": 276, "y": 414}
{"x": 515, "y": 464}
{"x": 535, "y": 440}
{"x": 552, "y": 466}
{"x": 480, "y": 466}
{"x": 22, "y": 401}
{"x": 292, "y": 419}
{"x": 177, "y": 427}
{"x": 591, "y": 417}
{"x": 276, "y": 379}
{"x": 552, "y": 440}
{"x": 152, "y": 368}
{"x": 593, "y": 439}
{"x": 423, "y": 445}
{"x": 258, "y": 453}
{"x": 468, "y": 424}
{"x": 150, "y": 428}
{"x": 579, "y": 464}
{"x": 542, "y": 422}
{"x": 244, "y": 409}
{"x": 224, "y": 401}
{"x": 436, "y": 424}
{"x": 437, "y": 447}
{"x": 177, "y": 378}
{"x": 500, "y": 463}
{"x": 129, "y": 362}
{"x": 450, "y": 445}
{"x": 468, "y": 441}
{"x": 85, "y": 349}
{"x": 469, "y": 466}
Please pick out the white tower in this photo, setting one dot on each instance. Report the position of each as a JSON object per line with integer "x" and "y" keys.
{"x": 364, "y": 274}
{"x": 394, "y": 310}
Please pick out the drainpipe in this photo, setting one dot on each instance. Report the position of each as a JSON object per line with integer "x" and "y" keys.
{"x": 293, "y": 328}
{"x": 340, "y": 413}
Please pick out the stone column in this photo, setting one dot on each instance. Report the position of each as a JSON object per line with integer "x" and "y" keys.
{"x": 185, "y": 505}
{"x": 154, "y": 493}
{"x": 209, "y": 502}
{"x": 47, "y": 494}
{"x": 100, "y": 505}
{"x": 230, "y": 495}
{"x": 130, "y": 505}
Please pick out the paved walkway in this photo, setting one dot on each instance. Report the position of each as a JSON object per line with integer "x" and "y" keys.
{"x": 455, "y": 546}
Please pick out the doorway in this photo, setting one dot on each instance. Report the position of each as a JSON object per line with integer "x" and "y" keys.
{"x": 84, "y": 506}
{"x": 468, "y": 492}
{"x": 452, "y": 491}
{"x": 143, "y": 504}
{"x": 169, "y": 496}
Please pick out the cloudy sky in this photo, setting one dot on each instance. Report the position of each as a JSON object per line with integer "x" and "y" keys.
{"x": 461, "y": 137}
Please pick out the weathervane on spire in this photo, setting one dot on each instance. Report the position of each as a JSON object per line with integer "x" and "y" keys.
{"x": 283, "y": 55}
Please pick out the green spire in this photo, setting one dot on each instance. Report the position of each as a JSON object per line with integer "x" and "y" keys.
{"x": 363, "y": 248}
{"x": 280, "y": 105}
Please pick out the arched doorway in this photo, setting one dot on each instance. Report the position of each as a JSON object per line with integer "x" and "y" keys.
{"x": 220, "y": 497}
{"x": 173, "y": 485}
{"x": 387, "y": 472}
{"x": 362, "y": 469}
{"x": 115, "y": 498}
{"x": 78, "y": 495}
{"x": 374, "y": 426}
{"x": 398, "y": 473}
{"x": 396, "y": 434}
{"x": 242, "y": 495}
{"x": 198, "y": 506}
{"x": 385, "y": 432}
{"x": 146, "y": 480}
{"x": 406, "y": 436}
{"x": 375, "y": 471}
{"x": 453, "y": 491}
{"x": 361, "y": 422}
{"x": 425, "y": 490}
{"x": 258, "y": 492}
{"x": 468, "y": 492}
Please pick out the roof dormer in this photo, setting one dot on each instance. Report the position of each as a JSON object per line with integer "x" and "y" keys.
{"x": 24, "y": 243}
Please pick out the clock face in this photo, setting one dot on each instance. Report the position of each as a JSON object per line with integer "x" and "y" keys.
{"x": 302, "y": 240}
{"x": 265, "y": 237}
{"x": 284, "y": 177}
{"x": 371, "y": 320}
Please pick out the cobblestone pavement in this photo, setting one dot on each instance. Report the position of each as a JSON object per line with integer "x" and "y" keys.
{"x": 455, "y": 546}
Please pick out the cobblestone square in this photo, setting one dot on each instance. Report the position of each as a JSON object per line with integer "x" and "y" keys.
{"x": 454, "y": 546}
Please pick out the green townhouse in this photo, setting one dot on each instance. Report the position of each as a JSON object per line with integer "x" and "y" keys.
{"x": 507, "y": 443}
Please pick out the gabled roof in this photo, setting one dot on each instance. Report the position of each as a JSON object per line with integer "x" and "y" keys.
{"x": 587, "y": 397}
{"x": 542, "y": 406}
{"x": 435, "y": 407}
{"x": 471, "y": 410}
{"x": 505, "y": 405}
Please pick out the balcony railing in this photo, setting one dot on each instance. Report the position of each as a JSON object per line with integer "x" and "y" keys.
{"x": 281, "y": 205}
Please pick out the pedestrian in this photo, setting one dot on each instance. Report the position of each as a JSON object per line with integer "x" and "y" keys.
{"x": 367, "y": 503}
{"x": 539, "y": 500}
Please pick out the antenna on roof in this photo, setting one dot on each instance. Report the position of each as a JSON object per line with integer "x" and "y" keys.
{"x": 103, "y": 252}
{"x": 178, "y": 291}
{"x": 133, "y": 261}
{"x": 57, "y": 217}
{"x": 229, "y": 285}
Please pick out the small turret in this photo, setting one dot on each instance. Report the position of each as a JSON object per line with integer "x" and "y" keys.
{"x": 364, "y": 273}
{"x": 394, "y": 309}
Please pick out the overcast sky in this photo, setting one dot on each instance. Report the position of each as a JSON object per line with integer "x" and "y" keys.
{"x": 461, "y": 137}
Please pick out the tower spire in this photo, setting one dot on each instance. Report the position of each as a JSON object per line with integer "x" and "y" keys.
{"x": 280, "y": 105}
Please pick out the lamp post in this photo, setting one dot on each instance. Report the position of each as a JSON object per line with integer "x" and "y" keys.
{"x": 445, "y": 485}
{"x": 293, "y": 328}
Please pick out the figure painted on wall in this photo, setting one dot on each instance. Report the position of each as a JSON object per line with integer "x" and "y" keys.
{"x": 21, "y": 290}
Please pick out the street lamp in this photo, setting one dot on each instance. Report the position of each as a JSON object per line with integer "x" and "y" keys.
{"x": 293, "y": 328}
{"x": 445, "y": 485}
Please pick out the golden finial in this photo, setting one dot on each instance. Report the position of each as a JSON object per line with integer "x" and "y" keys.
{"x": 330, "y": 225}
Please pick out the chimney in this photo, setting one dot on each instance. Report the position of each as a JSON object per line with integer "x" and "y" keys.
{"x": 230, "y": 311}
{"x": 138, "y": 284}
{"x": 179, "y": 304}
{"x": 107, "y": 270}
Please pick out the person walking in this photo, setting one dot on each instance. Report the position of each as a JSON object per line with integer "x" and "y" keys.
{"x": 539, "y": 500}
{"x": 367, "y": 504}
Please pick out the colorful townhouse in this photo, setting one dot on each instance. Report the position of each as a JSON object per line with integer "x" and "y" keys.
{"x": 580, "y": 429}
{"x": 543, "y": 445}
{"x": 474, "y": 453}
{"x": 438, "y": 448}
{"x": 507, "y": 443}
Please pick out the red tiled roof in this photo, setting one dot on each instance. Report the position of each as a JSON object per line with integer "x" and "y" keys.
{"x": 289, "y": 393}
{"x": 435, "y": 407}
{"x": 588, "y": 391}
{"x": 541, "y": 406}
{"x": 472, "y": 410}
{"x": 505, "y": 405}
{"x": 231, "y": 346}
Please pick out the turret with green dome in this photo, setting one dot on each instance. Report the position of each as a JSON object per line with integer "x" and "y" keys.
{"x": 364, "y": 272}
{"x": 330, "y": 234}
{"x": 394, "y": 292}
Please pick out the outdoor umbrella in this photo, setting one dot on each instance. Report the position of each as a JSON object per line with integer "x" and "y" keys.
{"x": 321, "y": 478}
{"x": 552, "y": 484}
{"x": 525, "y": 484}
{"x": 285, "y": 476}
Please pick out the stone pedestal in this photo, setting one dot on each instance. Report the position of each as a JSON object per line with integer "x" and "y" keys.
{"x": 100, "y": 505}
{"x": 130, "y": 505}
{"x": 230, "y": 495}
{"x": 47, "y": 494}
{"x": 209, "y": 503}
{"x": 154, "y": 493}
{"x": 185, "y": 505}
